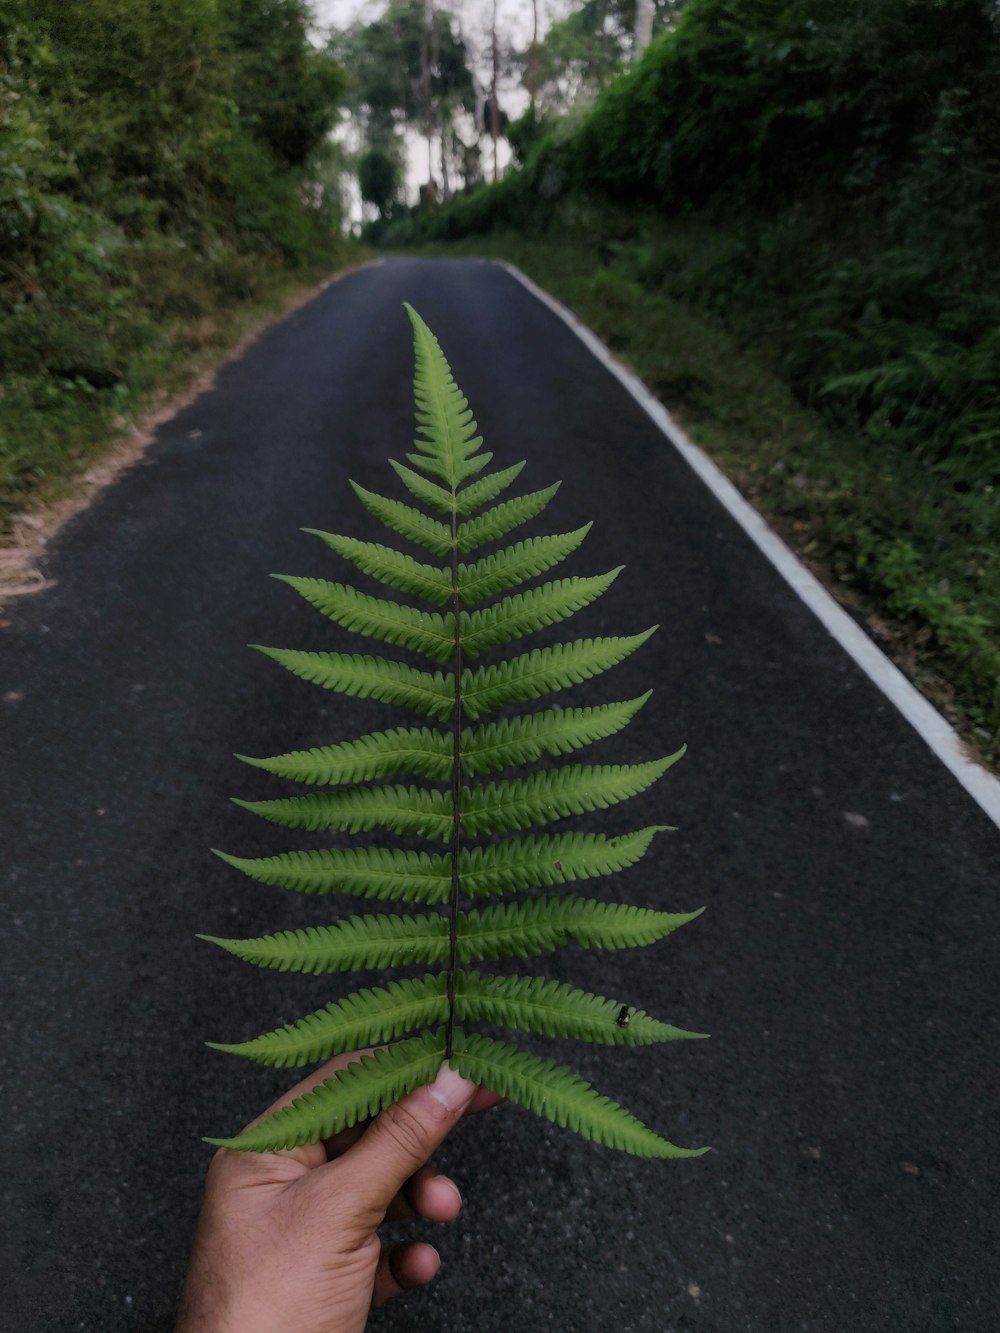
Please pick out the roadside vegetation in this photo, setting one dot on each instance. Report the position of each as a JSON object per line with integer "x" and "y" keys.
{"x": 786, "y": 217}
{"x": 165, "y": 180}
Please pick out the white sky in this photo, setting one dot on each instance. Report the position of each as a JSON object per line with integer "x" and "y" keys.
{"x": 474, "y": 16}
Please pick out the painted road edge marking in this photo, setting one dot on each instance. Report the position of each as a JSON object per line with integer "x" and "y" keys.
{"x": 934, "y": 729}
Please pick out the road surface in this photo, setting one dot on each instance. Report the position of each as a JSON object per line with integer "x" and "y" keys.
{"x": 846, "y": 965}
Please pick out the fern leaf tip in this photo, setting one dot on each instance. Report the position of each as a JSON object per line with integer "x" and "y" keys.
{"x": 222, "y": 1143}
{"x": 249, "y": 759}
{"x": 687, "y": 917}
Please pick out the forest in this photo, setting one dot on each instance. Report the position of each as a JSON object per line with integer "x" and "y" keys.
{"x": 784, "y": 214}
{"x": 161, "y": 177}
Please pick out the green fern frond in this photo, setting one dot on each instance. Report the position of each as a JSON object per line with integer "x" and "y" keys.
{"x": 484, "y": 490}
{"x": 444, "y": 422}
{"x": 573, "y": 790}
{"x": 424, "y": 632}
{"x": 372, "y": 941}
{"x": 540, "y": 925}
{"x": 354, "y": 1094}
{"x": 504, "y": 518}
{"x": 558, "y": 1095}
{"x": 438, "y": 469}
{"x": 436, "y": 497}
{"x": 515, "y": 564}
{"x": 427, "y": 814}
{"x": 528, "y": 612}
{"x": 406, "y": 521}
{"x": 543, "y": 670}
{"x": 364, "y": 677}
{"x": 457, "y": 794}
{"x": 391, "y": 567}
{"x": 522, "y": 740}
{"x": 541, "y": 862}
{"x": 417, "y": 750}
{"x": 555, "y": 1009}
{"x": 364, "y": 872}
{"x": 366, "y": 1018}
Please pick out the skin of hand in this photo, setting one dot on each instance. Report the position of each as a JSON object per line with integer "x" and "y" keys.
{"x": 288, "y": 1241}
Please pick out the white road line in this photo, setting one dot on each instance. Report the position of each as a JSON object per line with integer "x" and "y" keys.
{"x": 929, "y": 724}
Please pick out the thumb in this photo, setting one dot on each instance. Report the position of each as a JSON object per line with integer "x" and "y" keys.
{"x": 399, "y": 1141}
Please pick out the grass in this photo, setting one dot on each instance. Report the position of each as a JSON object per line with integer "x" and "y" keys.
{"x": 915, "y": 557}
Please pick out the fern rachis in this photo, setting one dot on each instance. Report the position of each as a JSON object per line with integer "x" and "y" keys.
{"x": 448, "y": 780}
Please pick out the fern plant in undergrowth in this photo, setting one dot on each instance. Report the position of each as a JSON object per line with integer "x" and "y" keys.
{"x": 448, "y": 783}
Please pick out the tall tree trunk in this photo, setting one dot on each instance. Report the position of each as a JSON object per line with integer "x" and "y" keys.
{"x": 643, "y": 27}
{"x": 445, "y": 179}
{"x": 425, "y": 86}
{"x": 531, "y": 68}
{"x": 494, "y": 105}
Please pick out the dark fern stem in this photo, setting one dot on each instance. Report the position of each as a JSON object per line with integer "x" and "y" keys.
{"x": 456, "y": 788}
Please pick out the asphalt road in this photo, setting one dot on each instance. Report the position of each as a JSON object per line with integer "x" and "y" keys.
{"x": 846, "y": 966}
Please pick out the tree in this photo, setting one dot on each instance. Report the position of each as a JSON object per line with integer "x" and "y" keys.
{"x": 288, "y": 90}
{"x": 380, "y": 175}
{"x": 580, "y": 53}
{"x": 409, "y": 69}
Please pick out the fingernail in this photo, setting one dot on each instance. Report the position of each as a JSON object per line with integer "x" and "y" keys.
{"x": 451, "y": 1089}
{"x": 447, "y": 1180}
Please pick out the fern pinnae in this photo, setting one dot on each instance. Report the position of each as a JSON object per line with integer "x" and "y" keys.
{"x": 478, "y": 493}
{"x": 406, "y": 521}
{"x": 365, "y": 1018}
{"x": 393, "y": 568}
{"x": 349, "y": 1097}
{"x": 363, "y": 676}
{"x": 437, "y": 497}
{"x": 412, "y": 810}
{"x": 504, "y": 518}
{"x": 522, "y": 740}
{"x": 515, "y": 564}
{"x": 540, "y": 925}
{"x": 371, "y": 941}
{"x": 527, "y": 612}
{"x": 556, "y": 1009}
{"x": 543, "y": 670}
{"x": 364, "y": 872}
{"x": 424, "y": 632}
{"x": 541, "y": 862}
{"x": 356, "y": 790}
{"x": 421, "y": 751}
{"x": 560, "y": 1096}
{"x": 574, "y": 789}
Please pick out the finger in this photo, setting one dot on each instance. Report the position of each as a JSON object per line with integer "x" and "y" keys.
{"x": 403, "y": 1267}
{"x": 429, "y": 1195}
{"x": 484, "y": 1100}
{"x": 400, "y": 1141}
{"x": 338, "y": 1144}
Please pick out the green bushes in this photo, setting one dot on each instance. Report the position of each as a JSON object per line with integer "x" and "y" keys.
{"x": 143, "y": 203}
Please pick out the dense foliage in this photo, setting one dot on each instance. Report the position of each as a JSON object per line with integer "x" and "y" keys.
{"x": 154, "y": 161}
{"x": 828, "y": 180}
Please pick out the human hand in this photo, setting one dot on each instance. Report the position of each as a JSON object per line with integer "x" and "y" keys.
{"x": 287, "y": 1241}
